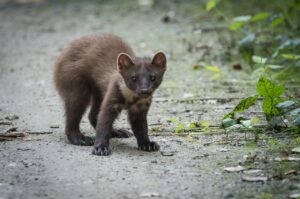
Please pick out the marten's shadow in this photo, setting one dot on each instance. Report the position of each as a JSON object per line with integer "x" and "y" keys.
{"x": 127, "y": 146}
{"x": 124, "y": 145}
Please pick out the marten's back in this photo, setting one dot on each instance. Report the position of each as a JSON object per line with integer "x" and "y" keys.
{"x": 89, "y": 60}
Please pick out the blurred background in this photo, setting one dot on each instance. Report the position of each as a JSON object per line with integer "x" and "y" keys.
{"x": 230, "y": 97}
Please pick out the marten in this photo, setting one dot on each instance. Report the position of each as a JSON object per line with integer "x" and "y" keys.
{"x": 102, "y": 71}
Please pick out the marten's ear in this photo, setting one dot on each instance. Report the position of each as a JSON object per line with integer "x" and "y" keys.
{"x": 160, "y": 60}
{"x": 124, "y": 61}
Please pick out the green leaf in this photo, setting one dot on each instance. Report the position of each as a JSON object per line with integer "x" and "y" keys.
{"x": 277, "y": 21}
{"x": 249, "y": 123}
{"x": 243, "y": 18}
{"x": 172, "y": 120}
{"x": 285, "y": 104}
{"x": 211, "y": 4}
{"x": 216, "y": 76}
{"x": 179, "y": 128}
{"x": 275, "y": 67}
{"x": 254, "y": 120}
{"x": 291, "y": 56}
{"x": 242, "y": 106}
{"x": 268, "y": 88}
{"x": 205, "y": 125}
{"x": 269, "y": 106}
{"x": 260, "y": 16}
{"x": 213, "y": 68}
{"x": 227, "y": 122}
{"x": 193, "y": 125}
{"x": 236, "y": 25}
{"x": 249, "y": 39}
{"x": 259, "y": 60}
{"x": 295, "y": 112}
{"x": 296, "y": 122}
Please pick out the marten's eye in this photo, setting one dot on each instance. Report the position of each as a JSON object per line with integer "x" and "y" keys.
{"x": 152, "y": 78}
{"x": 133, "y": 78}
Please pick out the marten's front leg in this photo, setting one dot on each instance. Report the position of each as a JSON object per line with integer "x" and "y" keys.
{"x": 109, "y": 111}
{"x": 138, "y": 121}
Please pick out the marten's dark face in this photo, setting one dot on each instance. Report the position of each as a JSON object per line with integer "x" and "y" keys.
{"x": 142, "y": 75}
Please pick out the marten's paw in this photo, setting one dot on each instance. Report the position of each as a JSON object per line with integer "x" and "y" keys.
{"x": 120, "y": 133}
{"x": 149, "y": 146}
{"x": 81, "y": 140}
{"x": 102, "y": 150}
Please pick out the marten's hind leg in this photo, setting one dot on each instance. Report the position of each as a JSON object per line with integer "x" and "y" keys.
{"x": 75, "y": 106}
{"x": 96, "y": 101}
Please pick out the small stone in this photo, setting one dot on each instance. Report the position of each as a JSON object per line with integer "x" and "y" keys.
{"x": 255, "y": 179}
{"x": 150, "y": 195}
{"x": 294, "y": 195}
{"x": 234, "y": 169}
{"x": 296, "y": 150}
{"x": 253, "y": 171}
{"x": 167, "y": 153}
{"x": 222, "y": 149}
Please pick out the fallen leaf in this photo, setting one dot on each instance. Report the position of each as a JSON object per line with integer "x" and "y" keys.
{"x": 198, "y": 67}
{"x": 169, "y": 17}
{"x": 237, "y": 66}
{"x": 255, "y": 179}
{"x": 5, "y": 123}
{"x": 201, "y": 156}
{"x": 287, "y": 159}
{"x": 12, "y": 129}
{"x": 39, "y": 132}
{"x": 234, "y": 169}
{"x": 292, "y": 171}
{"x": 11, "y": 136}
{"x": 54, "y": 126}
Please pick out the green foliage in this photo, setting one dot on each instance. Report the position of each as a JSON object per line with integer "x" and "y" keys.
{"x": 265, "y": 196}
{"x": 272, "y": 32}
{"x": 260, "y": 16}
{"x": 259, "y": 60}
{"x": 179, "y": 128}
{"x": 271, "y": 92}
{"x": 269, "y": 43}
{"x": 278, "y": 20}
{"x": 291, "y": 56}
{"x": 242, "y": 106}
{"x": 211, "y": 4}
{"x": 274, "y": 106}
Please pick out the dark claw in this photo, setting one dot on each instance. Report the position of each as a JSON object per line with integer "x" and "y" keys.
{"x": 81, "y": 140}
{"x": 120, "y": 133}
{"x": 102, "y": 151}
{"x": 149, "y": 146}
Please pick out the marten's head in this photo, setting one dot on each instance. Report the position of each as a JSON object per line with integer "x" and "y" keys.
{"x": 142, "y": 75}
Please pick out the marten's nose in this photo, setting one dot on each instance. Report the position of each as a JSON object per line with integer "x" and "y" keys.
{"x": 144, "y": 91}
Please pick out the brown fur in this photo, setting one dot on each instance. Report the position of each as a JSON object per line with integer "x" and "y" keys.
{"x": 93, "y": 71}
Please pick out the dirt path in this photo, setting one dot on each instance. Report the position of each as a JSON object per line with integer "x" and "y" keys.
{"x": 45, "y": 166}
